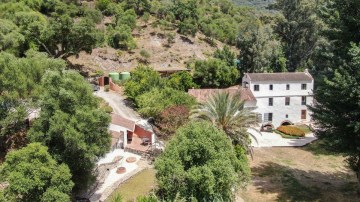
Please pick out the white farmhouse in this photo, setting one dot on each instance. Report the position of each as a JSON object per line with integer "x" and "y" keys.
{"x": 281, "y": 98}
{"x": 277, "y": 98}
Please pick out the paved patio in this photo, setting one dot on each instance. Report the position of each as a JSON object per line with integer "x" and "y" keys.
{"x": 266, "y": 139}
{"x": 136, "y": 144}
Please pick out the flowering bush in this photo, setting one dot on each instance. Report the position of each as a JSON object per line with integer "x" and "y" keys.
{"x": 292, "y": 131}
{"x": 171, "y": 119}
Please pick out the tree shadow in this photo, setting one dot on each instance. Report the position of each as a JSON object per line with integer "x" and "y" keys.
{"x": 318, "y": 147}
{"x": 129, "y": 103}
{"x": 292, "y": 184}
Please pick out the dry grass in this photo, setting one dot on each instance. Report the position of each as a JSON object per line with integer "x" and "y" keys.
{"x": 299, "y": 174}
{"x": 139, "y": 185}
{"x": 279, "y": 174}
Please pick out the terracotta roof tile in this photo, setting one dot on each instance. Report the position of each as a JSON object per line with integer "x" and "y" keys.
{"x": 202, "y": 95}
{"x": 121, "y": 121}
{"x": 284, "y": 76}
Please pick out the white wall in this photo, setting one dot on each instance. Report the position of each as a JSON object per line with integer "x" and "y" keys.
{"x": 117, "y": 128}
{"x": 279, "y": 92}
{"x": 280, "y": 110}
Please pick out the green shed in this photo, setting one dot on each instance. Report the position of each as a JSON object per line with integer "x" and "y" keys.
{"x": 114, "y": 76}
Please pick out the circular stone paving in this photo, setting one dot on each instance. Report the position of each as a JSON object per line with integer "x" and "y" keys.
{"x": 131, "y": 159}
{"x": 121, "y": 170}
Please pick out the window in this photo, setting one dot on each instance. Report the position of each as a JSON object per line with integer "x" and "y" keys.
{"x": 303, "y": 100}
{"x": 256, "y": 87}
{"x": 287, "y": 101}
{"x": 271, "y": 101}
{"x": 303, "y": 114}
{"x": 303, "y": 86}
{"x": 268, "y": 117}
{"x": 287, "y": 86}
{"x": 270, "y": 87}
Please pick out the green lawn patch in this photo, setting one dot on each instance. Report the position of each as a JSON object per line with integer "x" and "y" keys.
{"x": 139, "y": 185}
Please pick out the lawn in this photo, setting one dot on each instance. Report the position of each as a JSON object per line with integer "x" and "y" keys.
{"x": 299, "y": 174}
{"x": 139, "y": 185}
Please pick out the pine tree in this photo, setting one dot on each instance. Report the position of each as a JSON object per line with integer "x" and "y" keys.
{"x": 337, "y": 111}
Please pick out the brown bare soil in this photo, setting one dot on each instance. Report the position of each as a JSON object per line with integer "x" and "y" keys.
{"x": 299, "y": 174}
{"x": 153, "y": 41}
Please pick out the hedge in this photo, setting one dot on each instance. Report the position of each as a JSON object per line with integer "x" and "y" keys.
{"x": 292, "y": 131}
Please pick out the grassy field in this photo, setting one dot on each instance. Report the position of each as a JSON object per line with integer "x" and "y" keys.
{"x": 139, "y": 185}
{"x": 299, "y": 174}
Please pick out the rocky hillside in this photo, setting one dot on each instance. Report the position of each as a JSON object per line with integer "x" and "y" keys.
{"x": 152, "y": 49}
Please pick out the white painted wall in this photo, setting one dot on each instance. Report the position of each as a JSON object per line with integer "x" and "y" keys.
{"x": 117, "y": 128}
{"x": 279, "y": 92}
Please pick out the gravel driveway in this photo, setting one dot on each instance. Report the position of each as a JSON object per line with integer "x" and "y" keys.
{"x": 117, "y": 102}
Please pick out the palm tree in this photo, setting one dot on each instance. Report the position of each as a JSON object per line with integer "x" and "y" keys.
{"x": 227, "y": 112}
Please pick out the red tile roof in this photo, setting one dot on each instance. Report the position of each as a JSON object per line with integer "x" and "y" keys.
{"x": 202, "y": 95}
{"x": 123, "y": 122}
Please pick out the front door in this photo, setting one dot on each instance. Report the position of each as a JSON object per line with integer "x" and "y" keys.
{"x": 106, "y": 80}
{"x": 303, "y": 114}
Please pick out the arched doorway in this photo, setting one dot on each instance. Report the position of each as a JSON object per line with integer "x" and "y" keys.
{"x": 268, "y": 127}
{"x": 286, "y": 123}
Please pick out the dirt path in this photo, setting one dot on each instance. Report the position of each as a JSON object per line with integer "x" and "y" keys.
{"x": 299, "y": 174}
{"x": 117, "y": 102}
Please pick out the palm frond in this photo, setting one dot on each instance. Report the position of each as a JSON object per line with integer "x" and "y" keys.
{"x": 229, "y": 114}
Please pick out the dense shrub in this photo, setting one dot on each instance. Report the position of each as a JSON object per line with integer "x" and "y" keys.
{"x": 181, "y": 81}
{"x": 143, "y": 79}
{"x": 215, "y": 73}
{"x": 108, "y": 109}
{"x": 291, "y": 130}
{"x": 170, "y": 119}
{"x": 120, "y": 37}
{"x": 156, "y": 100}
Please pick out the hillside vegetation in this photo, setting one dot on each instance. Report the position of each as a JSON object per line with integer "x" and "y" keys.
{"x": 48, "y": 110}
{"x": 255, "y": 3}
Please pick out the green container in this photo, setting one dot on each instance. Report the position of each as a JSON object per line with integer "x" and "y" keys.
{"x": 114, "y": 76}
{"x": 124, "y": 76}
